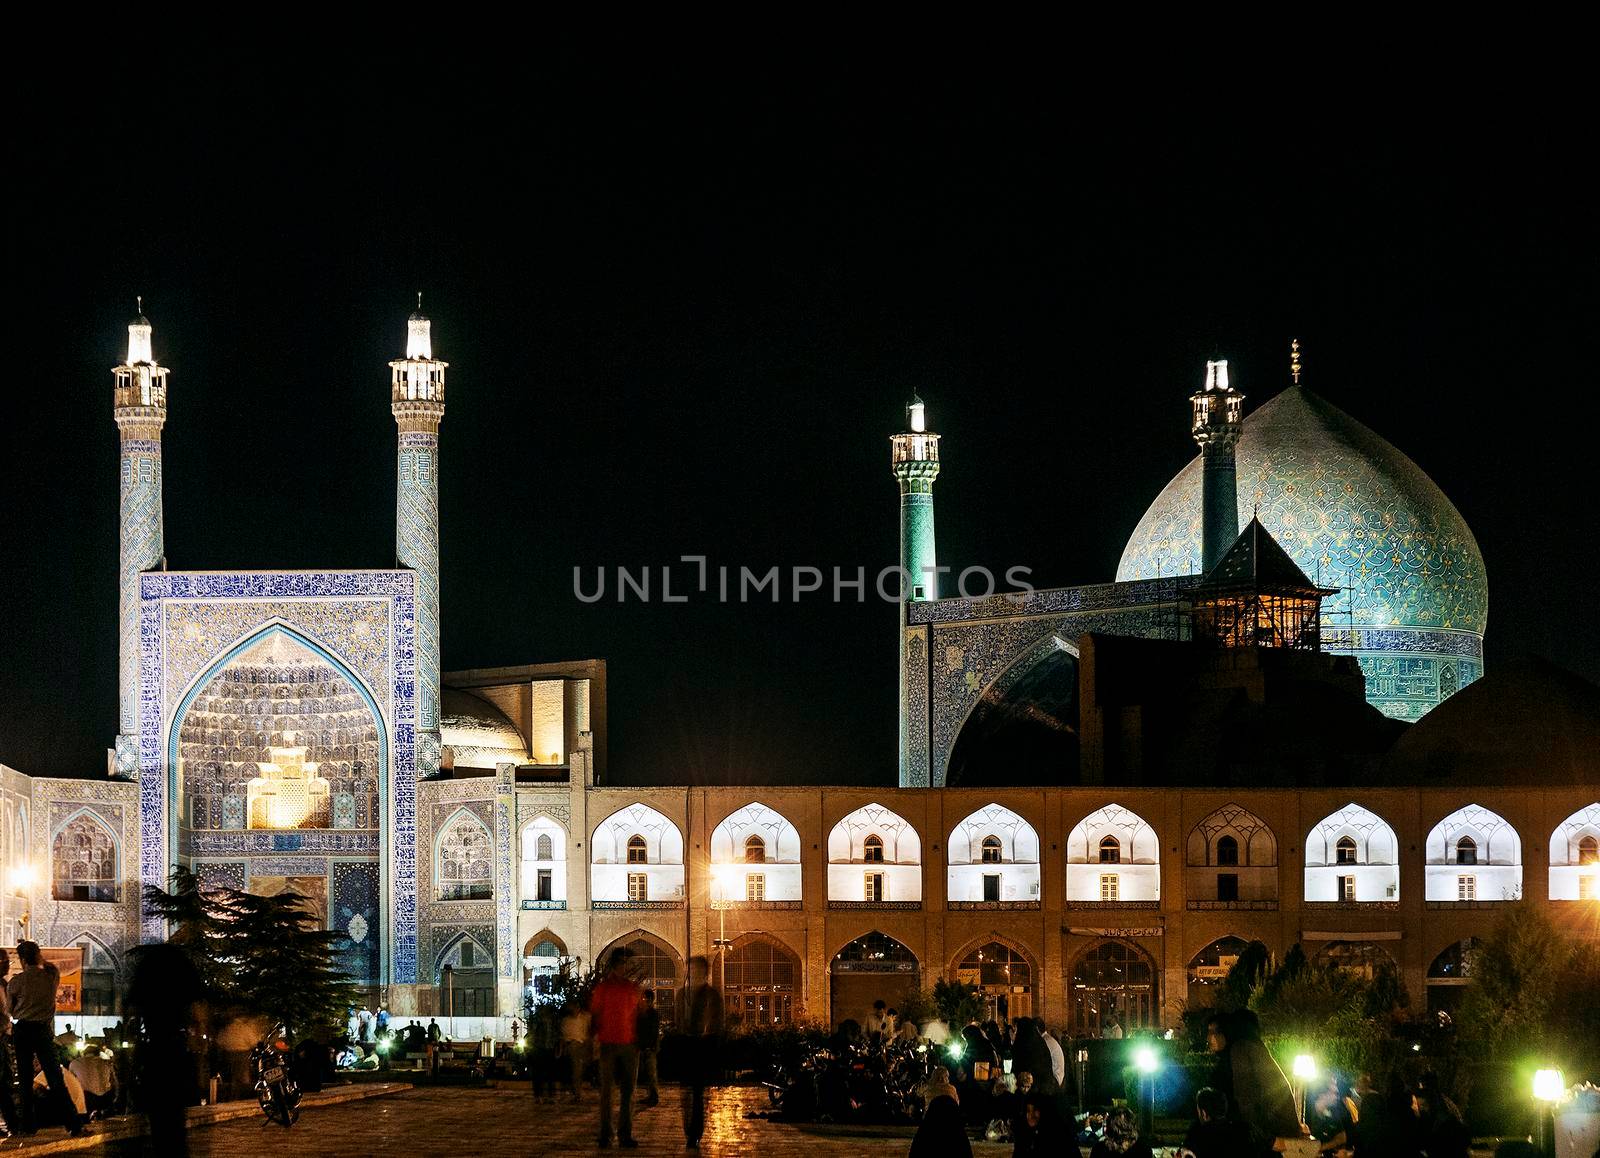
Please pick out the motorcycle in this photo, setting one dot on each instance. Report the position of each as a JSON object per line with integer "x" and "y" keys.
{"x": 276, "y": 1088}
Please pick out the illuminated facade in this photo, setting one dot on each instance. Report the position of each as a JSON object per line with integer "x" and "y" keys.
{"x": 292, "y": 730}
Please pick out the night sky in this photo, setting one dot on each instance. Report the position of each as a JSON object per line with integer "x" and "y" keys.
{"x": 683, "y": 317}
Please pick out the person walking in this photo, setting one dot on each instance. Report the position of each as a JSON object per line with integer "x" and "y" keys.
{"x": 614, "y": 1013}
{"x": 33, "y": 1004}
{"x": 647, "y": 1034}
{"x": 575, "y": 1048}
{"x": 701, "y": 1020}
{"x": 8, "y": 1106}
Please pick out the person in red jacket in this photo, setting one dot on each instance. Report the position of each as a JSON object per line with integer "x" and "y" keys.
{"x": 614, "y": 1010}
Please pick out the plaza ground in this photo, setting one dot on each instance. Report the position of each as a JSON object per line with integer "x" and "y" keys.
{"x": 453, "y": 1120}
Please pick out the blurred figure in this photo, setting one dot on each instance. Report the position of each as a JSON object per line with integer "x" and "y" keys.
{"x": 575, "y": 1047}
{"x": 33, "y": 1004}
{"x": 8, "y": 1107}
{"x": 614, "y": 1011}
{"x": 163, "y": 997}
{"x": 647, "y": 1033}
{"x": 700, "y": 1017}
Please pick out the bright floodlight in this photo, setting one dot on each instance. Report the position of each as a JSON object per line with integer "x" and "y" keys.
{"x": 1305, "y": 1067}
{"x": 954, "y": 1049}
{"x": 22, "y": 878}
{"x": 1548, "y": 1086}
{"x": 1146, "y": 1060}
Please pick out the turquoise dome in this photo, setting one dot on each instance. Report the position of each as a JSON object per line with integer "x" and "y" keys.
{"x": 1357, "y": 514}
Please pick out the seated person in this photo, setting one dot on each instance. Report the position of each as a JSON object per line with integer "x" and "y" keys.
{"x": 98, "y": 1077}
{"x": 44, "y": 1105}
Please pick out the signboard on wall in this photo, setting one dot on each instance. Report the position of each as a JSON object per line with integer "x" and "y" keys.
{"x": 69, "y": 996}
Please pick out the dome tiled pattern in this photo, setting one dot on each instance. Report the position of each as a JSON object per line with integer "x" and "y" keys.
{"x": 275, "y": 690}
{"x": 1355, "y": 513}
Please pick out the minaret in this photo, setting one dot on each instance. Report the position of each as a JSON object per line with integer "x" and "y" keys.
{"x": 1218, "y": 422}
{"x": 417, "y": 400}
{"x": 140, "y": 401}
{"x": 914, "y": 456}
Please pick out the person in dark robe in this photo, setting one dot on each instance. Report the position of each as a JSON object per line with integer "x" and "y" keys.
{"x": 943, "y": 1132}
{"x": 1259, "y": 1096}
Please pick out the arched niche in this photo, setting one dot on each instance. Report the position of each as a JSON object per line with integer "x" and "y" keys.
{"x": 1231, "y": 859}
{"x": 1473, "y": 855}
{"x": 1352, "y": 856}
{"x": 992, "y": 857}
{"x": 1113, "y": 857}
{"x": 658, "y": 876}
{"x": 874, "y": 856}
{"x": 544, "y": 861}
{"x": 1575, "y": 856}
{"x": 755, "y": 857}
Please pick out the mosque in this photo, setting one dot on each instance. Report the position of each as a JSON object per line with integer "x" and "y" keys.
{"x": 1274, "y": 724}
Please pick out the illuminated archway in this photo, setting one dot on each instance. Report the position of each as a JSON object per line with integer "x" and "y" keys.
{"x": 761, "y": 981}
{"x": 1113, "y": 856}
{"x": 1575, "y": 856}
{"x": 1352, "y": 855}
{"x": 874, "y": 856}
{"x": 617, "y": 878}
{"x": 755, "y": 857}
{"x": 1231, "y": 860}
{"x": 872, "y": 967}
{"x": 992, "y": 857}
{"x": 544, "y": 863}
{"x": 1473, "y": 855}
{"x": 1113, "y": 983}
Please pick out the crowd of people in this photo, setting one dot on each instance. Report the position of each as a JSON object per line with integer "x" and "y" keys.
{"x": 1011, "y": 1082}
{"x": 619, "y": 1032}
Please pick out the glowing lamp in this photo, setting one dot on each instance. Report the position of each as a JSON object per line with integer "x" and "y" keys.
{"x": 1549, "y": 1086}
{"x": 955, "y": 1049}
{"x": 1146, "y": 1060}
{"x": 22, "y": 878}
{"x": 1305, "y": 1067}
{"x": 383, "y": 1047}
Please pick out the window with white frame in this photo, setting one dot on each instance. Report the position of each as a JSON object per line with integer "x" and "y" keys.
{"x": 638, "y": 887}
{"x": 1466, "y": 888}
{"x": 875, "y": 890}
{"x": 1108, "y": 886}
{"x": 1586, "y": 887}
{"x": 1347, "y": 888}
{"x": 755, "y": 887}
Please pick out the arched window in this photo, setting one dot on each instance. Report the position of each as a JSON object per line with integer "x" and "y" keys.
{"x": 991, "y": 850}
{"x": 755, "y": 851}
{"x": 544, "y": 847}
{"x": 466, "y": 862}
{"x": 1466, "y": 851}
{"x": 1110, "y": 850}
{"x": 1004, "y": 980}
{"x": 1227, "y": 851}
{"x": 1345, "y": 851}
{"x": 872, "y": 849}
{"x": 760, "y": 978}
{"x": 1112, "y": 985}
{"x": 84, "y": 862}
{"x": 638, "y": 852}
{"x": 1589, "y": 850}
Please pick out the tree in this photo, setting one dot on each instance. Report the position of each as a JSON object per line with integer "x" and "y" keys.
{"x": 1532, "y": 990}
{"x": 957, "y": 1002}
{"x": 260, "y": 955}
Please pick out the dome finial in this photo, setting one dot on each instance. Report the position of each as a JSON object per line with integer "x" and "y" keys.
{"x": 1294, "y": 360}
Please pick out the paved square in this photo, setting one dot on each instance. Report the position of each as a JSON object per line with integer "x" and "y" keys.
{"x": 471, "y": 1121}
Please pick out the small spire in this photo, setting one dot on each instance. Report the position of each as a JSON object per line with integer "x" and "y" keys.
{"x": 1294, "y": 360}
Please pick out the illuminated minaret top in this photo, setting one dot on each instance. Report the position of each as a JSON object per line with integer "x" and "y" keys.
{"x": 416, "y": 398}
{"x": 1218, "y": 420}
{"x": 914, "y": 457}
{"x": 139, "y": 401}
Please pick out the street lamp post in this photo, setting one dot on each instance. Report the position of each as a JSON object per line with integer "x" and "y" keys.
{"x": 21, "y": 879}
{"x": 1548, "y": 1088}
{"x": 1147, "y": 1061}
{"x": 1305, "y": 1072}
